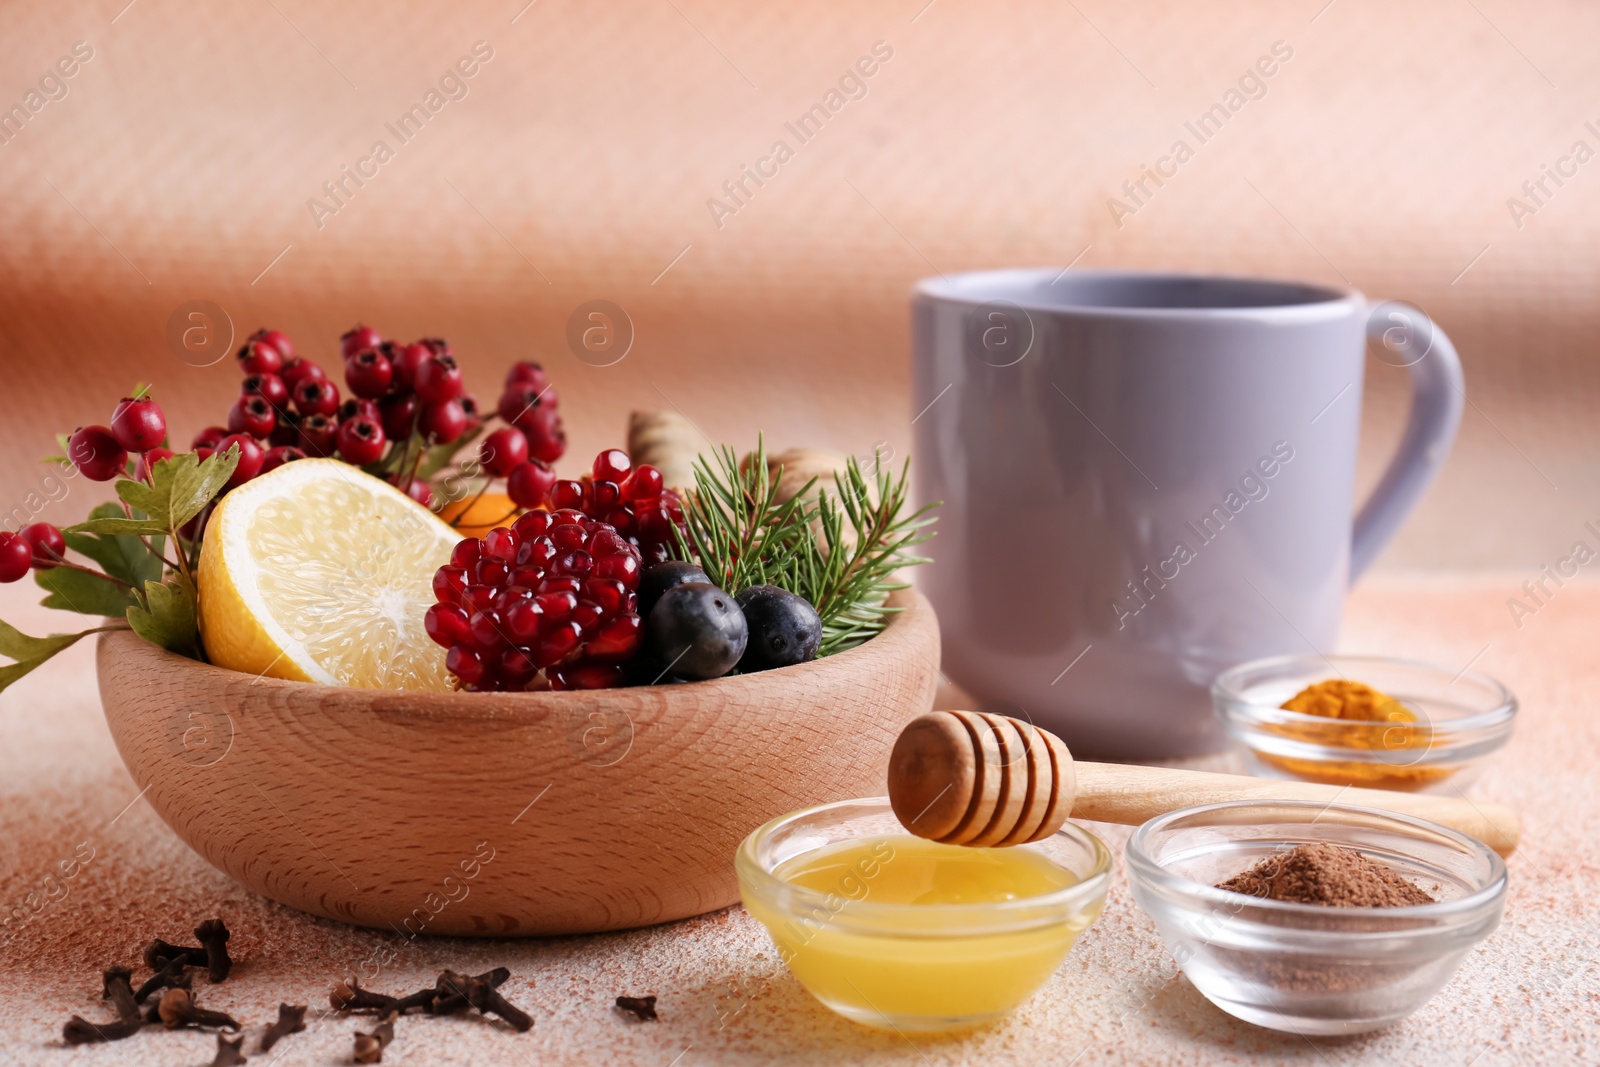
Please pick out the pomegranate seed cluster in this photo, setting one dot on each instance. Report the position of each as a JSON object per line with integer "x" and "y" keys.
{"x": 556, "y": 591}
{"x": 552, "y": 593}
{"x": 635, "y": 501}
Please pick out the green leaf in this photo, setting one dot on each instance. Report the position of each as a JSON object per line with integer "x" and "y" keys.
{"x": 121, "y": 556}
{"x": 87, "y": 594}
{"x": 150, "y": 499}
{"x": 178, "y": 490}
{"x": 14, "y": 644}
{"x": 170, "y": 619}
{"x": 194, "y": 485}
{"x": 118, "y": 524}
{"x": 12, "y": 671}
{"x": 30, "y": 652}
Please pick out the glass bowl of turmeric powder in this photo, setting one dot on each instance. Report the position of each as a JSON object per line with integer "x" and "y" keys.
{"x": 1371, "y": 721}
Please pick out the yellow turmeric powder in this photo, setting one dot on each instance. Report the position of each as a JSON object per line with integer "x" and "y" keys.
{"x": 1361, "y": 718}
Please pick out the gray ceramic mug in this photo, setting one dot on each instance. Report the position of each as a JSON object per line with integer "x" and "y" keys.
{"x": 1147, "y": 479}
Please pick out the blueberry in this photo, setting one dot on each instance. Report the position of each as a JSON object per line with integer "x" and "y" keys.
{"x": 784, "y": 628}
{"x": 697, "y": 630}
{"x": 663, "y": 576}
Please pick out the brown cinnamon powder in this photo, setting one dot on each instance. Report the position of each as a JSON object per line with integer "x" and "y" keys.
{"x": 1319, "y": 873}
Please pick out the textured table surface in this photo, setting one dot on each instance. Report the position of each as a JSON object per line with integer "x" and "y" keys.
{"x": 1529, "y": 994}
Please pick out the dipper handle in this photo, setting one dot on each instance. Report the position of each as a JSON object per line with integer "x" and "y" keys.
{"x": 969, "y": 778}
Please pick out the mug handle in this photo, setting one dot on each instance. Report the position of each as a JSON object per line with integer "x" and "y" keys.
{"x": 1437, "y": 396}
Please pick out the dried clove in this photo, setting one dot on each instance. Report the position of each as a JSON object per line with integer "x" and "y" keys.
{"x": 480, "y": 994}
{"x": 213, "y": 934}
{"x": 229, "y": 1053}
{"x": 173, "y": 973}
{"x": 178, "y": 1009}
{"x": 447, "y": 999}
{"x": 641, "y": 1008}
{"x": 117, "y": 988}
{"x": 437, "y": 999}
{"x": 159, "y": 953}
{"x": 369, "y": 1047}
{"x": 349, "y": 996}
{"x": 291, "y": 1020}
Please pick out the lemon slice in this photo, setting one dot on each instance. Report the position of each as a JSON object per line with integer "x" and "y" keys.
{"x": 319, "y": 573}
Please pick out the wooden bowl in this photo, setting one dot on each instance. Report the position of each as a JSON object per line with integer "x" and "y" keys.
{"x": 505, "y": 814}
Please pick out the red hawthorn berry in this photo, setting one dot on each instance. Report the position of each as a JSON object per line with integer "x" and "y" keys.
{"x": 368, "y": 373}
{"x": 438, "y": 380}
{"x": 277, "y": 339}
{"x": 16, "y": 556}
{"x": 398, "y": 414}
{"x": 138, "y": 424}
{"x": 269, "y": 387}
{"x": 298, "y": 370}
{"x": 317, "y": 433}
{"x": 97, "y": 453}
{"x": 503, "y": 451}
{"x": 316, "y": 396}
{"x": 360, "y": 441}
{"x": 250, "y": 457}
{"x": 208, "y": 437}
{"x": 529, "y": 484}
{"x": 357, "y": 338}
{"x": 252, "y": 415}
{"x": 46, "y": 542}
{"x": 527, "y": 373}
{"x": 443, "y": 423}
{"x": 148, "y": 460}
{"x": 277, "y": 457}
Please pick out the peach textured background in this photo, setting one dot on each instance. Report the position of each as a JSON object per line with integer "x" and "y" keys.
{"x": 578, "y": 167}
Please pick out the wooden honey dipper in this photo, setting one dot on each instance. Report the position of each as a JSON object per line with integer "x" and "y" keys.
{"x": 970, "y": 778}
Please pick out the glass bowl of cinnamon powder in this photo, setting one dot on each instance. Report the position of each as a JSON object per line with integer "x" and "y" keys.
{"x": 1371, "y": 721}
{"x": 1338, "y": 919}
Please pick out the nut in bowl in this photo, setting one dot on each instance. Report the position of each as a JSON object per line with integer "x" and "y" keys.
{"x": 1402, "y": 725}
{"x": 899, "y": 932}
{"x": 1312, "y": 968}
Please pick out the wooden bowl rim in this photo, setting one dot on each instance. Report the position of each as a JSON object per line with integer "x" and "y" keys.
{"x": 902, "y": 631}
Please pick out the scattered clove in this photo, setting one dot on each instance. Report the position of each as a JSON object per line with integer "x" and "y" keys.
{"x": 213, "y": 934}
{"x": 479, "y": 993}
{"x": 441, "y": 998}
{"x": 178, "y": 1009}
{"x": 118, "y": 990}
{"x": 349, "y": 996}
{"x": 229, "y": 1053}
{"x": 369, "y": 1047}
{"x": 173, "y": 973}
{"x": 448, "y": 998}
{"x": 641, "y": 1008}
{"x": 159, "y": 953}
{"x": 291, "y": 1020}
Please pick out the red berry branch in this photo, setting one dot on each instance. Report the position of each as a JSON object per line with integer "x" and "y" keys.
{"x": 404, "y": 415}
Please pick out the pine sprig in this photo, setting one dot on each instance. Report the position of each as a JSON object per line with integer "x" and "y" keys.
{"x": 840, "y": 552}
{"x": 737, "y": 527}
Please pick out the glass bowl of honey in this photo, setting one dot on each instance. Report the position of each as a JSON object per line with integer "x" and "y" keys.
{"x": 894, "y": 931}
{"x": 1370, "y": 721}
{"x": 1312, "y": 968}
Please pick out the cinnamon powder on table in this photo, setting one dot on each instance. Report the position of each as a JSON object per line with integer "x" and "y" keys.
{"x": 1319, "y": 873}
